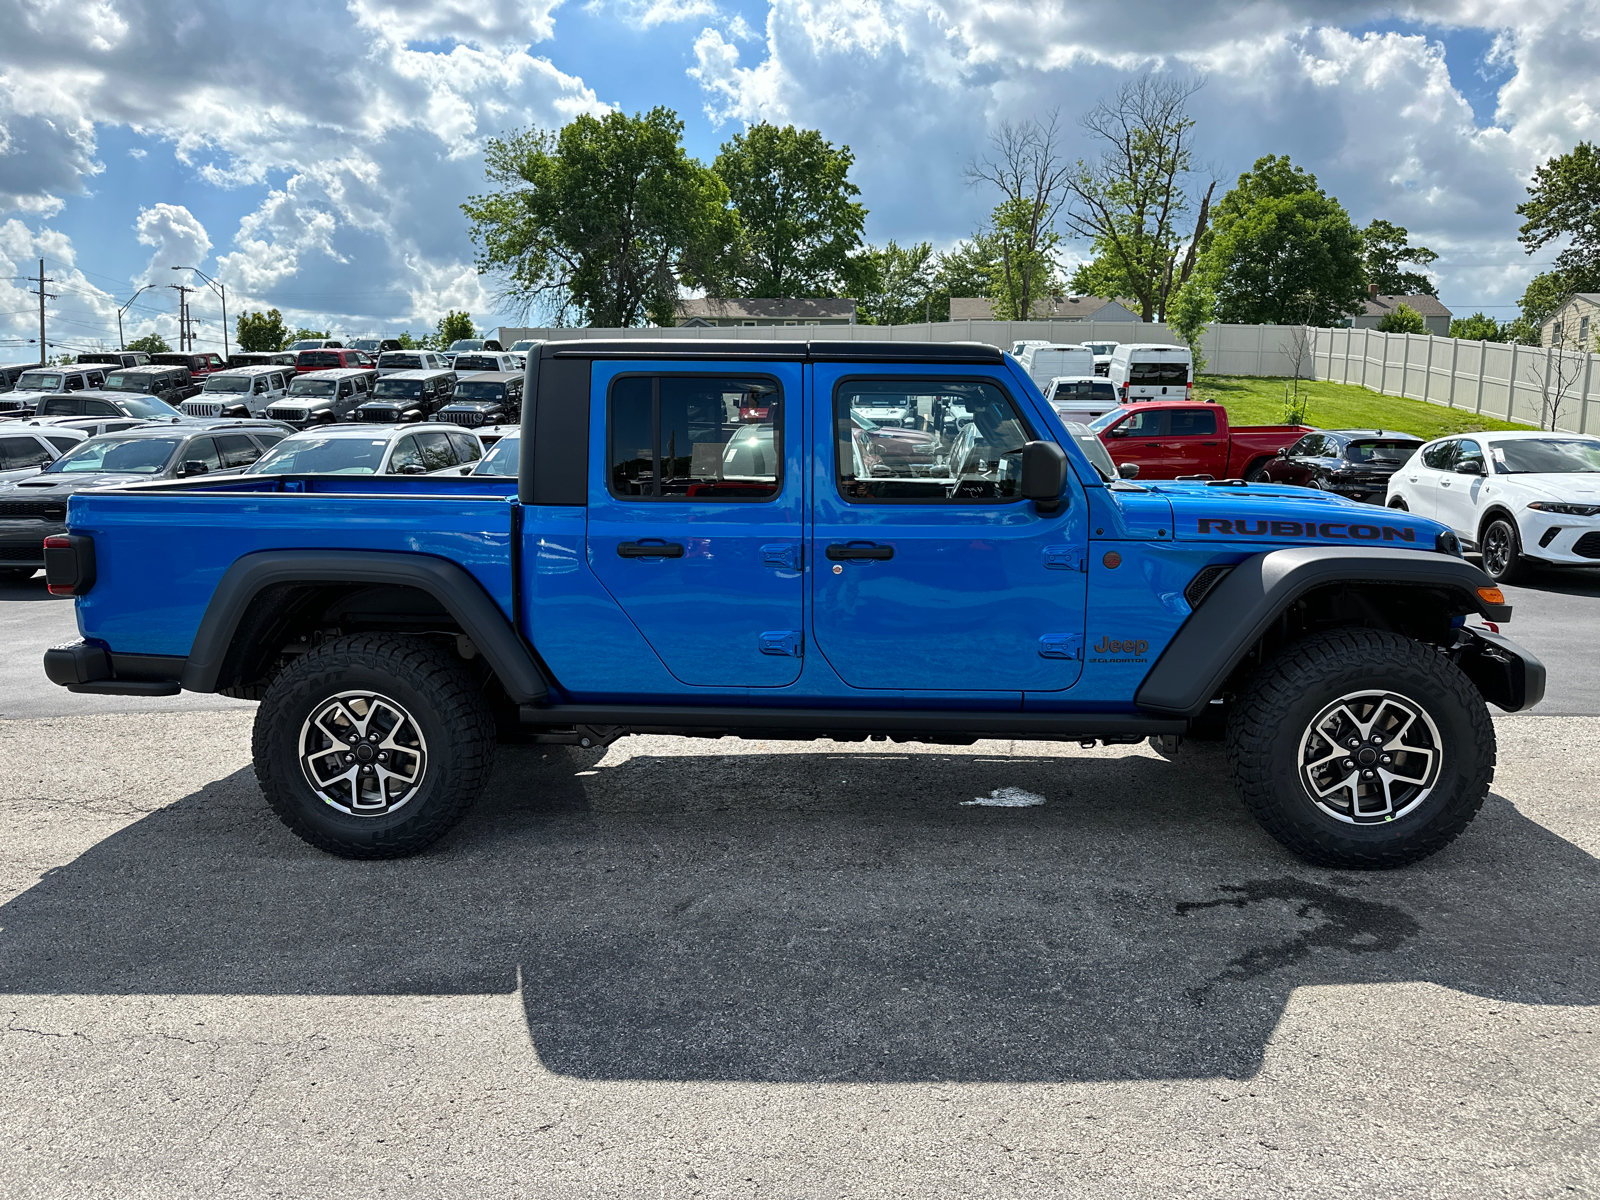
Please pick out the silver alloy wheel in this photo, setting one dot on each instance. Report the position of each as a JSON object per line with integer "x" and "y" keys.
{"x": 1370, "y": 757}
{"x": 363, "y": 753}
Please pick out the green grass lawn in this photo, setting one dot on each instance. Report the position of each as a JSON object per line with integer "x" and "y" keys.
{"x": 1258, "y": 401}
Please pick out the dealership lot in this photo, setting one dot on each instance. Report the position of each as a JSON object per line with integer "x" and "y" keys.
{"x": 685, "y": 967}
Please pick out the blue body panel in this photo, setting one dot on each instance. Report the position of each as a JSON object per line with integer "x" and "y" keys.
{"x": 158, "y": 569}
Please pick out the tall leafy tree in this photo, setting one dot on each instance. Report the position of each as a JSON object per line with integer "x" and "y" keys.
{"x": 262, "y": 332}
{"x": 1564, "y": 202}
{"x": 151, "y": 343}
{"x": 603, "y": 219}
{"x": 1385, "y": 250}
{"x": 1478, "y": 328}
{"x": 1281, "y": 251}
{"x": 454, "y": 326}
{"x": 1026, "y": 167}
{"x": 1189, "y": 311}
{"x": 799, "y": 221}
{"x": 969, "y": 268}
{"x": 1132, "y": 203}
{"x": 898, "y": 288}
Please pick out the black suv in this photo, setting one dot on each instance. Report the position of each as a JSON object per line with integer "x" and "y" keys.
{"x": 487, "y": 398}
{"x": 117, "y": 358}
{"x": 1355, "y": 463}
{"x": 406, "y": 396}
{"x": 172, "y": 384}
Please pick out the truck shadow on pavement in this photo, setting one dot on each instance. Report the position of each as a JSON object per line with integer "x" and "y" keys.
{"x": 821, "y": 916}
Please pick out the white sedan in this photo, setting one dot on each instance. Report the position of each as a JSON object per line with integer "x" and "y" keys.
{"x": 373, "y": 450}
{"x": 1517, "y": 498}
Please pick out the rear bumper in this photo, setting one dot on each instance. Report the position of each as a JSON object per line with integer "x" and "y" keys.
{"x": 85, "y": 667}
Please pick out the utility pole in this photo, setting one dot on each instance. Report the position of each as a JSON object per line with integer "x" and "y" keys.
{"x": 43, "y": 296}
{"x": 185, "y": 334}
{"x": 222, "y": 291}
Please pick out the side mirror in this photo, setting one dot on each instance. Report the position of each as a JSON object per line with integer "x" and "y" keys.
{"x": 1471, "y": 467}
{"x": 194, "y": 468}
{"x": 1120, "y": 431}
{"x": 1044, "y": 471}
{"x": 1283, "y": 452}
{"x": 466, "y": 470}
{"x": 413, "y": 469}
{"x": 1128, "y": 470}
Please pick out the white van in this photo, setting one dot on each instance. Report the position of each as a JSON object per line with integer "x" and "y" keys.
{"x": 239, "y": 392}
{"x": 1052, "y": 359}
{"x": 1151, "y": 371}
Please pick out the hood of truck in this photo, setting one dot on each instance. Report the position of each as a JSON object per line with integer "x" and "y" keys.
{"x": 1289, "y": 516}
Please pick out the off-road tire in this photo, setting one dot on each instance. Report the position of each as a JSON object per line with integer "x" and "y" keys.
{"x": 1285, "y": 697}
{"x": 436, "y": 692}
{"x": 1513, "y": 566}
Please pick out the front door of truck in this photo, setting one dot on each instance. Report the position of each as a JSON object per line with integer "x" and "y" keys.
{"x": 1192, "y": 443}
{"x": 931, "y": 573}
{"x": 695, "y": 504}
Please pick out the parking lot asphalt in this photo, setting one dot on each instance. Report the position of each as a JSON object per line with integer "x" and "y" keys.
{"x": 682, "y": 967}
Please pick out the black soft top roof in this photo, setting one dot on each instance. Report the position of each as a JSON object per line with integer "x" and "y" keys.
{"x": 708, "y": 349}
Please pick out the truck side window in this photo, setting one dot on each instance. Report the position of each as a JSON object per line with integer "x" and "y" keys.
{"x": 204, "y": 450}
{"x": 437, "y": 452}
{"x": 237, "y": 450}
{"x": 1193, "y": 424}
{"x": 468, "y": 448}
{"x": 1143, "y": 424}
{"x": 695, "y": 438}
{"x": 927, "y": 441}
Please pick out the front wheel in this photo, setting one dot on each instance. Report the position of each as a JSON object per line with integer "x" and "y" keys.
{"x": 373, "y": 747}
{"x": 1502, "y": 552}
{"x": 1361, "y": 749}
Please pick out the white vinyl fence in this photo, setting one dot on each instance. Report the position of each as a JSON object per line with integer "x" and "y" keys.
{"x": 1229, "y": 349}
{"x": 1534, "y": 385}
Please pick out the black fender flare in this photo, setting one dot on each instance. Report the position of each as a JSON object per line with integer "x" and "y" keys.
{"x": 1240, "y": 609}
{"x": 450, "y": 584}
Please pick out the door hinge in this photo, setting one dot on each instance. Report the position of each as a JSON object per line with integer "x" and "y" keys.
{"x": 783, "y": 642}
{"x": 1061, "y": 645}
{"x": 781, "y": 554}
{"x": 1064, "y": 558}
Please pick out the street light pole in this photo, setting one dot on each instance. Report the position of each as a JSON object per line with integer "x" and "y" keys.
{"x": 122, "y": 345}
{"x": 222, "y": 291}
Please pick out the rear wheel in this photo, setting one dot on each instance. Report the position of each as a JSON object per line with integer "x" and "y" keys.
{"x": 1361, "y": 749}
{"x": 1502, "y": 551}
{"x": 1399, "y": 504}
{"x": 1256, "y": 472}
{"x": 373, "y": 746}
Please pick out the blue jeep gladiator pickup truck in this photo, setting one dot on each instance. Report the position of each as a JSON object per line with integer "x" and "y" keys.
{"x": 721, "y": 538}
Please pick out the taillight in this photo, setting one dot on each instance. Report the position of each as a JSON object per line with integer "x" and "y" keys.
{"x": 68, "y": 564}
{"x": 1188, "y": 391}
{"x": 1124, "y": 393}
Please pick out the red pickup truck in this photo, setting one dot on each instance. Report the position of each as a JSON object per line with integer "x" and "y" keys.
{"x": 1184, "y": 437}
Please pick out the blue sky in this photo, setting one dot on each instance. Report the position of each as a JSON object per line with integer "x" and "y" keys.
{"x": 313, "y": 157}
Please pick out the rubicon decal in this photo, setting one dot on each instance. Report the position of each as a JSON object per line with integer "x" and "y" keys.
{"x": 1332, "y": 530}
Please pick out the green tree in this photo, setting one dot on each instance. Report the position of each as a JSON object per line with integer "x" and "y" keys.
{"x": 1564, "y": 201}
{"x": 407, "y": 342}
{"x": 1280, "y": 251}
{"x": 151, "y": 343}
{"x": 606, "y": 218}
{"x": 1189, "y": 311}
{"x": 1099, "y": 277}
{"x": 894, "y": 285}
{"x": 1404, "y": 319}
{"x": 799, "y": 222}
{"x": 1385, "y": 249}
{"x": 1130, "y": 203}
{"x": 1027, "y": 168}
{"x": 1545, "y": 293}
{"x": 262, "y": 332}
{"x": 452, "y": 327}
{"x": 303, "y": 333}
{"x": 1478, "y": 328}
{"x": 969, "y": 268}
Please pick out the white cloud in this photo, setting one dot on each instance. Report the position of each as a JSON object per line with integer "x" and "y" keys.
{"x": 79, "y": 315}
{"x": 178, "y": 237}
{"x": 495, "y": 23}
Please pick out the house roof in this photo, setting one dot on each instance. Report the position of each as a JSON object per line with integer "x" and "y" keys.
{"x": 1078, "y": 308}
{"x": 733, "y": 308}
{"x": 1423, "y": 305}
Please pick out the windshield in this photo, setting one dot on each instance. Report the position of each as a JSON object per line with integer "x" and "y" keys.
{"x": 1100, "y": 347}
{"x": 39, "y": 383}
{"x": 227, "y": 383}
{"x": 138, "y": 456}
{"x": 524, "y": 345}
{"x": 367, "y": 344}
{"x": 501, "y": 459}
{"x": 150, "y": 409}
{"x": 480, "y": 391}
{"x": 1093, "y": 449}
{"x": 1388, "y": 451}
{"x": 1101, "y": 424}
{"x": 397, "y": 389}
{"x": 313, "y": 387}
{"x": 466, "y": 344}
{"x": 1546, "y": 456}
{"x": 306, "y": 344}
{"x": 322, "y": 455}
{"x": 119, "y": 381}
